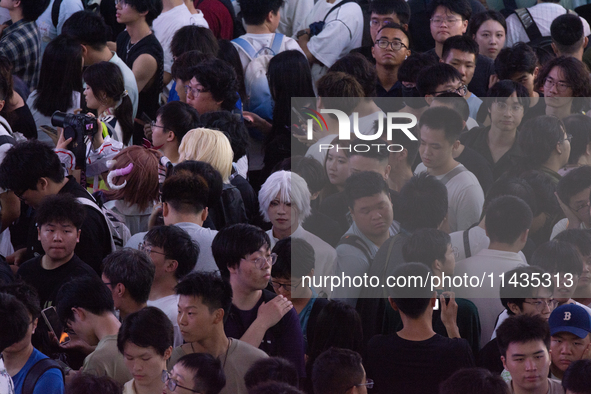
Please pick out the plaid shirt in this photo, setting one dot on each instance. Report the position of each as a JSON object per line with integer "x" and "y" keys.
{"x": 20, "y": 43}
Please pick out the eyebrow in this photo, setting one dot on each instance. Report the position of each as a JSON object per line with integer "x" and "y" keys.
{"x": 524, "y": 355}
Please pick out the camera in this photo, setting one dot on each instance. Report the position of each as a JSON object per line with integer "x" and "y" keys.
{"x": 76, "y": 126}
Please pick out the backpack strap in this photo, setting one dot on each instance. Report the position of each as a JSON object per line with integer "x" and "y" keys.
{"x": 337, "y": 6}
{"x": 37, "y": 371}
{"x": 530, "y": 26}
{"x": 449, "y": 176}
{"x": 55, "y": 12}
{"x": 246, "y": 47}
{"x": 91, "y": 203}
{"x": 276, "y": 44}
{"x": 358, "y": 243}
{"x": 6, "y": 139}
{"x": 466, "y": 236}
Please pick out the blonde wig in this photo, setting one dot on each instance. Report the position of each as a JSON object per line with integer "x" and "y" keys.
{"x": 210, "y": 146}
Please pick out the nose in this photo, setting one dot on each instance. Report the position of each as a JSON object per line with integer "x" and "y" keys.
{"x": 530, "y": 365}
{"x": 181, "y": 319}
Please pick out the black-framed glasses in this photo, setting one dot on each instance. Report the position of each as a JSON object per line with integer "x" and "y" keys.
{"x": 368, "y": 383}
{"x": 260, "y": 262}
{"x": 172, "y": 384}
{"x": 286, "y": 286}
{"x": 462, "y": 90}
{"x": 120, "y": 2}
{"x": 19, "y": 193}
{"x": 561, "y": 87}
{"x": 396, "y": 45}
{"x": 580, "y": 208}
{"x": 154, "y": 125}
{"x": 148, "y": 248}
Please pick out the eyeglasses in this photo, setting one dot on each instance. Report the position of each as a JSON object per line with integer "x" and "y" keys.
{"x": 514, "y": 108}
{"x": 567, "y": 137}
{"x": 585, "y": 206}
{"x": 462, "y": 90}
{"x": 19, "y": 194}
{"x": 154, "y": 125}
{"x": 260, "y": 262}
{"x": 122, "y": 3}
{"x": 448, "y": 21}
{"x": 172, "y": 384}
{"x": 286, "y": 286}
{"x": 383, "y": 43}
{"x": 541, "y": 305}
{"x": 195, "y": 92}
{"x": 368, "y": 383}
{"x": 561, "y": 87}
{"x": 148, "y": 248}
{"x": 377, "y": 22}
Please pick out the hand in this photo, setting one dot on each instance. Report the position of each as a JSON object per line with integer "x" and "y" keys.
{"x": 270, "y": 313}
{"x": 571, "y": 216}
{"x": 449, "y": 311}
{"x": 77, "y": 343}
{"x": 62, "y": 143}
{"x": 17, "y": 257}
{"x": 148, "y": 130}
{"x": 155, "y": 216}
{"x": 492, "y": 80}
{"x": 253, "y": 120}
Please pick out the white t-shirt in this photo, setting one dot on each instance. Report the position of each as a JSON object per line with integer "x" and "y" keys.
{"x": 465, "y": 198}
{"x": 169, "y": 305}
{"x": 47, "y": 30}
{"x": 342, "y": 33}
{"x": 477, "y": 239}
{"x": 42, "y": 120}
{"x": 292, "y": 15}
{"x": 169, "y": 22}
{"x": 260, "y": 41}
{"x": 561, "y": 225}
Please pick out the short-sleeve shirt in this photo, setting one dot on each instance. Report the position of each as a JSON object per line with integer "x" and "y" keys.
{"x": 21, "y": 44}
{"x": 51, "y": 382}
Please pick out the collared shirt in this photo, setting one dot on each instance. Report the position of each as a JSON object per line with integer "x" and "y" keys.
{"x": 21, "y": 44}
{"x": 394, "y": 91}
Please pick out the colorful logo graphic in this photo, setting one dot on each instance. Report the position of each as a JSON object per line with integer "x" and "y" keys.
{"x": 315, "y": 115}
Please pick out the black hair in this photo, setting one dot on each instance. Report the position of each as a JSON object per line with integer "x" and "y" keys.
{"x": 211, "y": 175}
{"x": 575, "y": 74}
{"x": 513, "y": 291}
{"x": 462, "y": 44}
{"x": 543, "y": 189}
{"x": 538, "y": 138}
{"x": 336, "y": 370}
{"x": 179, "y": 118}
{"x": 413, "y": 299}
{"x": 425, "y": 246}
{"x": 6, "y": 84}
{"x": 364, "y": 184}
{"x": 574, "y": 182}
{"x": 193, "y": 38}
{"x": 272, "y": 369}
{"x": 254, "y": 12}
{"x": 15, "y": 320}
{"x": 474, "y": 381}
{"x": 177, "y": 245}
{"x": 516, "y": 59}
{"x": 386, "y": 7}
{"x": 512, "y": 186}
{"x": 373, "y": 151}
{"x": 133, "y": 269}
{"x": 295, "y": 250}
{"x": 501, "y": 91}
{"x": 185, "y": 192}
{"x": 182, "y": 68}
{"x": 88, "y": 28}
{"x": 399, "y": 137}
{"x": 232, "y": 126}
{"x": 60, "y": 208}
{"x": 26, "y": 294}
{"x": 215, "y": 292}
{"x": 431, "y": 77}
{"x": 229, "y": 53}
{"x": 577, "y": 377}
{"x": 478, "y": 19}
{"x": 85, "y": 383}
{"x": 274, "y": 388}
{"x": 26, "y": 163}
{"x": 410, "y": 68}
{"x": 579, "y": 126}
{"x": 311, "y": 170}
{"x": 422, "y": 203}
{"x": 106, "y": 81}
{"x": 396, "y": 26}
{"x": 231, "y": 244}
{"x": 443, "y": 118}
{"x": 507, "y": 217}
{"x": 159, "y": 336}
{"x": 558, "y": 257}
{"x": 219, "y": 78}
{"x": 356, "y": 65}
{"x": 567, "y": 33}
{"x": 461, "y": 7}
{"x": 339, "y": 90}
{"x": 208, "y": 373}
{"x": 60, "y": 76}
{"x": 579, "y": 238}
{"x": 154, "y": 8}
{"x": 90, "y": 294}
{"x": 455, "y": 102}
{"x": 32, "y": 9}
{"x": 522, "y": 329}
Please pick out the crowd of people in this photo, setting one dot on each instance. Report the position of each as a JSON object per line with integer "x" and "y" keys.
{"x": 186, "y": 187}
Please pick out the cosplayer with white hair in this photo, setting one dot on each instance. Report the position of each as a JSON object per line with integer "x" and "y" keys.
{"x": 284, "y": 200}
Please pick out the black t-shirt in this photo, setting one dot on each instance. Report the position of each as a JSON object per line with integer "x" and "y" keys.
{"x": 490, "y": 357}
{"x": 477, "y": 165}
{"x": 400, "y": 366}
{"x": 48, "y": 282}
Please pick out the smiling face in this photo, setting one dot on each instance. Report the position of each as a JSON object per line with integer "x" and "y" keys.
{"x": 145, "y": 365}
{"x": 59, "y": 240}
{"x": 490, "y": 38}
{"x": 566, "y": 348}
{"x": 528, "y": 363}
{"x": 451, "y": 24}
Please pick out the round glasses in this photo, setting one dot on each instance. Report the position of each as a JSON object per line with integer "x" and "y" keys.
{"x": 148, "y": 248}
{"x": 462, "y": 90}
{"x": 172, "y": 384}
{"x": 260, "y": 262}
{"x": 448, "y": 21}
{"x": 541, "y": 305}
{"x": 561, "y": 87}
{"x": 286, "y": 286}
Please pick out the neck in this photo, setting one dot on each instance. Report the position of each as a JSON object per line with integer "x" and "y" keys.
{"x": 556, "y": 371}
{"x": 138, "y": 30}
{"x": 300, "y": 303}
{"x": 439, "y": 49}
{"x": 258, "y": 29}
{"x": 397, "y": 179}
{"x": 281, "y": 234}
{"x": 163, "y": 287}
{"x": 107, "y": 325}
{"x": 543, "y": 389}
{"x": 559, "y": 112}
{"x": 51, "y": 264}
{"x": 501, "y": 138}
{"x": 379, "y": 239}
{"x": 515, "y": 247}
{"x": 216, "y": 345}
{"x": 15, "y": 361}
{"x": 388, "y": 75}
{"x": 16, "y": 14}
{"x": 154, "y": 387}
{"x": 419, "y": 329}
{"x": 174, "y": 217}
{"x": 94, "y": 56}
{"x": 168, "y": 5}
{"x": 366, "y": 107}
{"x": 444, "y": 169}
{"x": 129, "y": 308}
{"x": 244, "y": 298}
{"x": 171, "y": 150}
{"x": 191, "y": 7}
{"x": 554, "y": 163}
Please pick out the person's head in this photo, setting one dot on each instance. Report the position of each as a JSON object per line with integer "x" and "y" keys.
{"x": 338, "y": 371}
{"x": 581, "y": 240}
{"x": 562, "y": 261}
{"x": 507, "y": 101}
{"x": 260, "y": 12}
{"x": 409, "y": 70}
{"x": 284, "y": 200}
{"x": 89, "y": 29}
{"x": 524, "y": 342}
{"x": 210, "y": 146}
{"x": 579, "y": 126}
{"x": 449, "y": 18}
{"x": 311, "y": 170}
{"x": 19, "y": 340}
{"x": 242, "y": 251}
{"x": 403, "y": 160}
{"x": 433, "y": 248}
{"x": 295, "y": 259}
{"x": 527, "y": 299}
{"x": 438, "y": 79}
{"x": 212, "y": 87}
{"x": 369, "y": 157}
{"x": 105, "y": 88}
{"x": 577, "y": 378}
{"x": 193, "y": 38}
{"x": 213, "y": 178}
{"x": 489, "y": 29}
{"x": 474, "y": 381}
{"x": 439, "y": 130}
{"x": 59, "y": 219}
{"x": 368, "y": 199}
{"x": 274, "y": 388}
{"x": 507, "y": 221}
{"x": 384, "y": 12}
{"x": 543, "y": 138}
{"x": 204, "y": 302}
{"x": 15, "y": 318}
{"x": 30, "y": 9}
{"x": 272, "y": 369}
{"x": 563, "y": 79}
{"x": 182, "y": 70}
{"x": 128, "y": 273}
{"x": 184, "y": 193}
{"x": 573, "y": 189}
{"x": 339, "y": 90}
{"x": 512, "y": 186}
{"x": 173, "y": 120}
{"x": 337, "y": 163}
{"x": 172, "y": 250}
{"x": 228, "y": 53}
{"x": 568, "y": 36}
{"x": 453, "y": 101}
{"x": 422, "y": 203}
{"x": 356, "y": 65}
{"x": 233, "y": 128}
{"x": 80, "y": 302}
{"x": 518, "y": 63}
{"x": 461, "y": 53}
{"x": 85, "y": 383}
{"x": 412, "y": 301}
{"x": 570, "y": 328}
{"x": 391, "y": 45}
{"x": 196, "y": 372}
{"x": 130, "y": 11}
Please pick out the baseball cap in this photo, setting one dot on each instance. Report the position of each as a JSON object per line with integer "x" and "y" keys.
{"x": 570, "y": 318}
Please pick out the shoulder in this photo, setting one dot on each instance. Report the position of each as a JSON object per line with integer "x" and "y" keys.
{"x": 29, "y": 266}
{"x": 246, "y": 350}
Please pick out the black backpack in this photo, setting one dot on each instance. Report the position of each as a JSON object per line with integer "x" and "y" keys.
{"x": 38, "y": 370}
{"x": 536, "y": 40}
{"x": 357, "y": 242}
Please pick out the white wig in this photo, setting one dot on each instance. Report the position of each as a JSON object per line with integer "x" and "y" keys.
{"x": 293, "y": 189}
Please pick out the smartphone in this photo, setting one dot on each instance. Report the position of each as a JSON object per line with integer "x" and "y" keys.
{"x": 295, "y": 129}
{"x": 299, "y": 115}
{"x": 53, "y": 322}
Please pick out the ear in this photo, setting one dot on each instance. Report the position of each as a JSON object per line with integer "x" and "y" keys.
{"x": 387, "y": 172}
{"x": 165, "y": 209}
{"x": 38, "y": 234}
{"x": 204, "y": 213}
{"x": 405, "y": 26}
{"x": 80, "y": 312}
{"x": 78, "y": 236}
{"x": 429, "y": 99}
{"x": 35, "y": 322}
{"x": 2, "y": 102}
{"x": 168, "y": 353}
{"x": 464, "y": 26}
{"x": 42, "y": 183}
{"x": 554, "y": 49}
{"x": 536, "y": 71}
{"x": 120, "y": 290}
{"x": 393, "y": 304}
{"x": 171, "y": 265}
{"x": 588, "y": 149}
{"x": 373, "y": 54}
{"x": 524, "y": 235}
{"x": 17, "y": 3}
{"x": 437, "y": 265}
{"x": 456, "y": 144}
{"x": 504, "y": 362}
{"x": 314, "y": 196}
{"x": 171, "y": 136}
{"x": 514, "y": 308}
{"x": 270, "y": 16}
{"x": 585, "y": 42}
{"x": 218, "y": 316}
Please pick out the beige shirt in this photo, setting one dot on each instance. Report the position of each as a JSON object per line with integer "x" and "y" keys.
{"x": 128, "y": 388}
{"x": 106, "y": 360}
{"x": 554, "y": 387}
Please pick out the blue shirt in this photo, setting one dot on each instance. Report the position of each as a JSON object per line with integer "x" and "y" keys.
{"x": 51, "y": 382}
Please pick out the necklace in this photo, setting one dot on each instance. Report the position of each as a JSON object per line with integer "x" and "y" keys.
{"x": 130, "y": 46}
{"x": 227, "y": 350}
